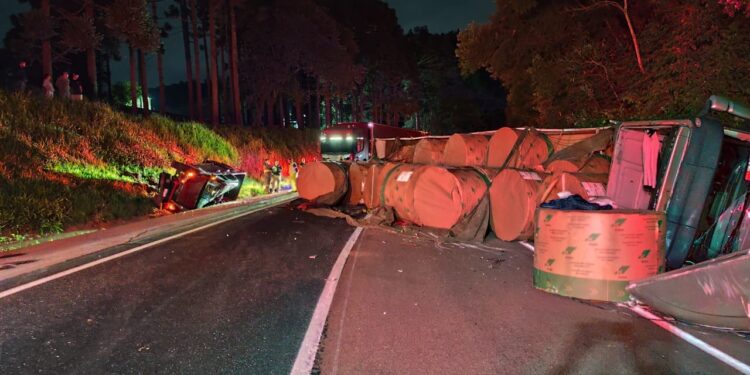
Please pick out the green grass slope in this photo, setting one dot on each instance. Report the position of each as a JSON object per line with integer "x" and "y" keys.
{"x": 66, "y": 164}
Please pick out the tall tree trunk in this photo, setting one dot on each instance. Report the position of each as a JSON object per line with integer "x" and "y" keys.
{"x": 636, "y": 46}
{"x": 282, "y": 111}
{"x": 109, "y": 77}
{"x": 88, "y": 7}
{"x": 213, "y": 64}
{"x": 144, "y": 80}
{"x": 269, "y": 111}
{"x": 133, "y": 80}
{"x": 355, "y": 108}
{"x": 258, "y": 112}
{"x": 235, "y": 66}
{"x": 188, "y": 57}
{"x": 46, "y": 44}
{"x": 329, "y": 108}
{"x": 224, "y": 74}
{"x": 317, "y": 107}
{"x": 206, "y": 57}
{"x": 309, "y": 118}
{"x": 197, "y": 48}
{"x": 159, "y": 62}
{"x": 298, "y": 112}
{"x": 340, "y": 110}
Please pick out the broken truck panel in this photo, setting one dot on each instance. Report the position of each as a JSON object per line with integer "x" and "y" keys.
{"x": 713, "y": 293}
{"x": 692, "y": 186}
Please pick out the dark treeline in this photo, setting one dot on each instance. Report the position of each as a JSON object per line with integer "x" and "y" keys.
{"x": 581, "y": 62}
{"x": 292, "y": 63}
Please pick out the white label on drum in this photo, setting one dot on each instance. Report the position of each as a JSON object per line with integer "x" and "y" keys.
{"x": 594, "y": 189}
{"x": 404, "y": 176}
{"x": 530, "y": 176}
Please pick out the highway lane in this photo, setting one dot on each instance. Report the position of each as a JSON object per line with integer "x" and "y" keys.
{"x": 235, "y": 298}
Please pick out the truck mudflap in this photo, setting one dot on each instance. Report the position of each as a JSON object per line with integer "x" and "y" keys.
{"x": 714, "y": 293}
{"x": 691, "y": 189}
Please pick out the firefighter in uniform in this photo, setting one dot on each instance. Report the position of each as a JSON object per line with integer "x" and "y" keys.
{"x": 267, "y": 175}
{"x": 276, "y": 178}
{"x": 293, "y": 174}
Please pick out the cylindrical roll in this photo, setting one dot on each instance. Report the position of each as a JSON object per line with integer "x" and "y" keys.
{"x": 357, "y": 178}
{"x": 474, "y": 184}
{"x": 563, "y": 140}
{"x": 371, "y": 194}
{"x": 466, "y": 150}
{"x": 374, "y": 185}
{"x": 322, "y": 182}
{"x": 514, "y": 195}
{"x": 591, "y": 164}
{"x": 403, "y": 154}
{"x": 430, "y": 151}
{"x": 587, "y": 185}
{"x": 424, "y": 195}
{"x": 583, "y": 156}
{"x": 596, "y": 254}
{"x": 521, "y": 149}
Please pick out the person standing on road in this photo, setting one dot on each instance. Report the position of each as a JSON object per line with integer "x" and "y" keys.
{"x": 267, "y": 175}
{"x": 276, "y": 181}
{"x": 47, "y": 87}
{"x": 76, "y": 89}
{"x": 293, "y": 174}
{"x": 63, "y": 85}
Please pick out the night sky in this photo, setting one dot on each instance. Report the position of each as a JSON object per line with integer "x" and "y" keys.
{"x": 437, "y": 15}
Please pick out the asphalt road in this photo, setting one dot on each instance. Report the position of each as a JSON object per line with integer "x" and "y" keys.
{"x": 235, "y": 298}
{"x": 408, "y": 305}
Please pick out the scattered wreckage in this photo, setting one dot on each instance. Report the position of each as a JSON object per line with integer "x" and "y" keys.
{"x": 652, "y": 211}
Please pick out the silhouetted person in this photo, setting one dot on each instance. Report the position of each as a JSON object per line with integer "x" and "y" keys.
{"x": 293, "y": 174}
{"x": 63, "y": 85}
{"x": 47, "y": 87}
{"x": 21, "y": 78}
{"x": 76, "y": 89}
{"x": 267, "y": 175}
{"x": 276, "y": 180}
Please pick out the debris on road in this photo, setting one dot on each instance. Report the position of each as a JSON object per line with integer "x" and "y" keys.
{"x": 687, "y": 178}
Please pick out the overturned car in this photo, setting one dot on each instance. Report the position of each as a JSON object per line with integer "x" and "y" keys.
{"x": 197, "y": 186}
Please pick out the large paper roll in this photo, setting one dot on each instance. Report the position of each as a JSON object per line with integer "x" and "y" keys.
{"x": 596, "y": 254}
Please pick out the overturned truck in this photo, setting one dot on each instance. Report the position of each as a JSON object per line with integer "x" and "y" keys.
{"x": 667, "y": 195}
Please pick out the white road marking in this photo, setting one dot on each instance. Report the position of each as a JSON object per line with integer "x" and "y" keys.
{"x": 690, "y": 339}
{"x": 527, "y": 245}
{"x": 306, "y": 355}
{"x": 344, "y": 309}
{"x": 82, "y": 267}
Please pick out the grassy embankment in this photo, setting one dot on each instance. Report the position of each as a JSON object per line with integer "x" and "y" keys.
{"x": 68, "y": 164}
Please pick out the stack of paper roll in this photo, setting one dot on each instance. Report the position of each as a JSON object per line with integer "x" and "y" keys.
{"x": 357, "y": 177}
{"x": 433, "y": 196}
{"x": 465, "y": 150}
{"x": 514, "y": 195}
{"x": 519, "y": 149}
{"x": 322, "y": 182}
{"x": 430, "y": 151}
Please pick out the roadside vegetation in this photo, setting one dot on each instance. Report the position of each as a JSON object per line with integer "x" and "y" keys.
{"x": 67, "y": 164}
